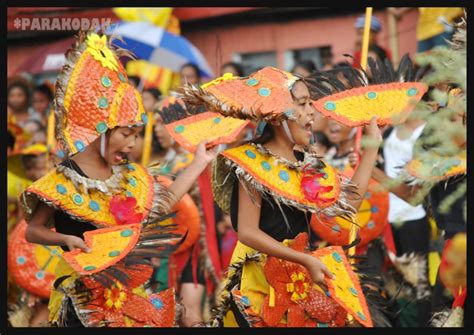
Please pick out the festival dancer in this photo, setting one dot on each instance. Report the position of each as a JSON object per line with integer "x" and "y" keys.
{"x": 269, "y": 189}
{"x": 107, "y": 212}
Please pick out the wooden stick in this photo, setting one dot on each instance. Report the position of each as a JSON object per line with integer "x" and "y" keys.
{"x": 393, "y": 38}
{"x": 148, "y": 139}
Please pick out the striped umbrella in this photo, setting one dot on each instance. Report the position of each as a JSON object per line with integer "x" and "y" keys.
{"x": 156, "y": 45}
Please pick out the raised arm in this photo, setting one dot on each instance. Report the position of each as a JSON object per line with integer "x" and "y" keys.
{"x": 251, "y": 235}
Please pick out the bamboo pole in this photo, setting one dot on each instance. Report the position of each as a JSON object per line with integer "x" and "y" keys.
{"x": 148, "y": 139}
{"x": 393, "y": 38}
{"x": 363, "y": 63}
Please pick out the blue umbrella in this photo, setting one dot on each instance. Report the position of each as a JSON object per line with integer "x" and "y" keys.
{"x": 158, "y": 46}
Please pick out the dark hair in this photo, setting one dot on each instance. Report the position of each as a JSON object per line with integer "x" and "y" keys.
{"x": 267, "y": 135}
{"x": 381, "y": 54}
{"x": 44, "y": 89}
{"x": 321, "y": 138}
{"x": 194, "y": 66}
{"x": 10, "y": 140}
{"x": 307, "y": 64}
{"x": 21, "y": 86}
{"x": 153, "y": 91}
{"x": 29, "y": 161}
{"x": 238, "y": 68}
{"x": 135, "y": 79}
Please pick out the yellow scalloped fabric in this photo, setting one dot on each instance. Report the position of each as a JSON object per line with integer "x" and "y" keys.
{"x": 391, "y": 103}
{"x": 346, "y": 288}
{"x": 211, "y": 127}
{"x": 278, "y": 177}
{"x": 57, "y": 189}
{"x": 434, "y": 167}
{"x": 108, "y": 245}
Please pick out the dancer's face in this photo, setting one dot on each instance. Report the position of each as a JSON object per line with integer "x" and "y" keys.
{"x": 304, "y": 112}
{"x": 162, "y": 134}
{"x": 121, "y": 142}
{"x": 337, "y": 132}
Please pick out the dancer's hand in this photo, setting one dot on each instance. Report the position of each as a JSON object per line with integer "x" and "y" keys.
{"x": 74, "y": 242}
{"x": 373, "y": 134}
{"x": 317, "y": 271}
{"x": 203, "y": 157}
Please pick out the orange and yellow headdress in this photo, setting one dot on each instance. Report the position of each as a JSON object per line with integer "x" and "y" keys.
{"x": 265, "y": 95}
{"x": 93, "y": 94}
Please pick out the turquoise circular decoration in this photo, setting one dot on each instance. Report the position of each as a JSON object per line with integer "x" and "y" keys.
{"x": 361, "y": 316}
{"x": 126, "y": 233}
{"x": 94, "y": 206}
{"x": 21, "y": 260}
{"x": 121, "y": 77}
{"x": 374, "y": 209}
{"x": 217, "y": 120}
{"x": 101, "y": 127}
{"x": 284, "y": 176}
{"x": 78, "y": 199}
{"x": 370, "y": 224}
{"x": 328, "y": 293}
{"x": 336, "y": 228}
{"x": 61, "y": 189}
{"x": 412, "y": 91}
{"x": 39, "y": 275}
{"x": 185, "y": 160}
{"x": 130, "y": 167}
{"x": 54, "y": 252}
{"x": 89, "y": 268}
{"x": 264, "y": 92}
{"x": 337, "y": 257}
{"x": 252, "y": 82}
{"x": 245, "y": 300}
{"x": 106, "y": 82}
{"x": 114, "y": 253}
{"x": 79, "y": 145}
{"x": 371, "y": 95}
{"x": 129, "y": 194}
{"x": 325, "y": 175}
{"x": 179, "y": 129}
{"x": 60, "y": 154}
{"x": 367, "y": 195}
{"x": 322, "y": 325}
{"x": 132, "y": 181}
{"x": 266, "y": 166}
{"x": 250, "y": 154}
{"x": 157, "y": 303}
{"x": 144, "y": 118}
{"x": 330, "y": 106}
{"x": 103, "y": 103}
{"x": 353, "y": 291}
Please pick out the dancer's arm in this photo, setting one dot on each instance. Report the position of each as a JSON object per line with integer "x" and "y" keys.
{"x": 186, "y": 179}
{"x": 250, "y": 234}
{"x": 363, "y": 172}
{"x": 37, "y": 232}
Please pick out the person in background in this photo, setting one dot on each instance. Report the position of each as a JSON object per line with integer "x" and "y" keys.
{"x": 190, "y": 74}
{"x": 150, "y": 97}
{"x": 375, "y": 29}
{"x": 327, "y": 58}
{"x": 41, "y": 101}
{"x": 37, "y": 131}
{"x": 18, "y": 101}
{"x": 304, "y": 68}
{"x": 434, "y": 27}
{"x": 321, "y": 142}
{"x": 234, "y": 68}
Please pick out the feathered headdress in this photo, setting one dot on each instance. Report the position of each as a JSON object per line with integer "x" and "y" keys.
{"x": 352, "y": 97}
{"x": 93, "y": 93}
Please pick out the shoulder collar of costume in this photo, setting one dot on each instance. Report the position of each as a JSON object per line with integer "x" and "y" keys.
{"x": 87, "y": 199}
{"x": 310, "y": 185}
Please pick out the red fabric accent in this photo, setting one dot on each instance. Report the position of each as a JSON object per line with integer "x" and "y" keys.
{"x": 459, "y": 299}
{"x": 194, "y": 261}
{"x": 176, "y": 264}
{"x": 388, "y": 238}
{"x": 204, "y": 182}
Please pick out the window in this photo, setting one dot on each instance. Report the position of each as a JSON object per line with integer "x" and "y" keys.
{"x": 320, "y": 56}
{"x": 252, "y": 62}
